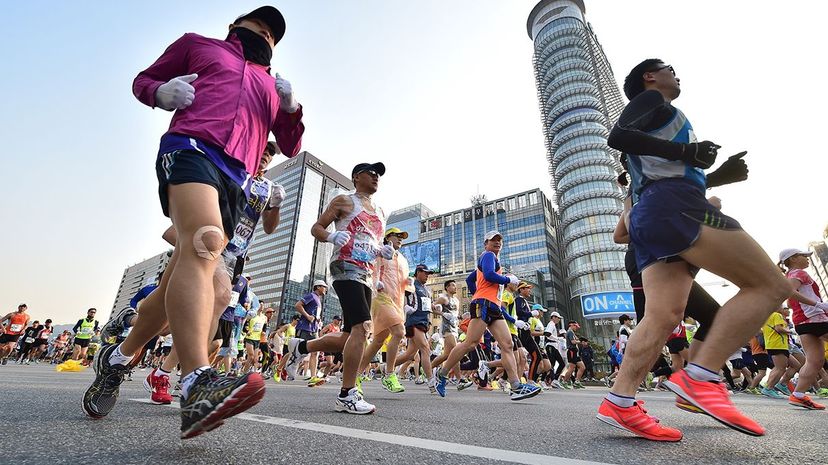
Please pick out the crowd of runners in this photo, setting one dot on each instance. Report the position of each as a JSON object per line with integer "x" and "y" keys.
{"x": 203, "y": 326}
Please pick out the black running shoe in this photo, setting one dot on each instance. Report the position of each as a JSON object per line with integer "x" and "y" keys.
{"x": 213, "y": 398}
{"x": 101, "y": 396}
{"x": 116, "y": 325}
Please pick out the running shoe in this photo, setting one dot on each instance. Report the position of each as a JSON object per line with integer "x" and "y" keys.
{"x": 392, "y": 384}
{"x": 117, "y": 324}
{"x": 160, "y": 389}
{"x": 432, "y": 385}
{"x": 483, "y": 370}
{"x": 421, "y": 380}
{"x": 711, "y": 397}
{"x": 101, "y": 396}
{"x": 294, "y": 357}
{"x": 773, "y": 394}
{"x": 556, "y": 384}
{"x": 212, "y": 398}
{"x": 315, "y": 381}
{"x": 354, "y": 403}
{"x": 358, "y": 386}
{"x": 524, "y": 391}
{"x": 636, "y": 420}
{"x": 783, "y": 389}
{"x": 485, "y": 388}
{"x": 578, "y": 385}
{"x": 805, "y": 402}
{"x": 566, "y": 385}
{"x": 440, "y": 385}
{"x": 464, "y": 384}
{"x": 823, "y": 392}
{"x": 148, "y": 381}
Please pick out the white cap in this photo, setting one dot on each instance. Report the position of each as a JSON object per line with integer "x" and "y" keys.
{"x": 320, "y": 282}
{"x": 788, "y": 253}
{"x": 555, "y": 314}
{"x": 491, "y": 235}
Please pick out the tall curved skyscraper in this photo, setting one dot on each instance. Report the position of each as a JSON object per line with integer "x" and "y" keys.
{"x": 579, "y": 103}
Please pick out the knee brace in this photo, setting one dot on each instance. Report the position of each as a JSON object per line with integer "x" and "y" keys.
{"x": 208, "y": 242}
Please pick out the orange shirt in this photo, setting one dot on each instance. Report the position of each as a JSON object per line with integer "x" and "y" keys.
{"x": 755, "y": 348}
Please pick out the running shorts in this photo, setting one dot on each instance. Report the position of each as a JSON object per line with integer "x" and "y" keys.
{"x": 252, "y": 342}
{"x": 6, "y": 338}
{"x": 306, "y": 335}
{"x": 224, "y": 332}
{"x": 166, "y": 350}
{"x": 355, "y": 300}
{"x": 40, "y": 342}
{"x": 190, "y": 166}
{"x": 763, "y": 361}
{"x": 485, "y": 310}
{"x": 409, "y": 330}
{"x": 737, "y": 363}
{"x": 81, "y": 342}
{"x": 784, "y": 352}
{"x": 815, "y": 329}
{"x": 678, "y": 344}
{"x": 516, "y": 345}
{"x": 572, "y": 356}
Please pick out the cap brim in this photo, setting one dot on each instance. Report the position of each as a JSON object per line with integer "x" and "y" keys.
{"x": 270, "y": 16}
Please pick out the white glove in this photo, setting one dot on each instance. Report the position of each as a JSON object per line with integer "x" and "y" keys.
{"x": 286, "y": 100}
{"x": 176, "y": 94}
{"x": 514, "y": 279}
{"x": 450, "y": 318}
{"x": 380, "y": 285}
{"x": 438, "y": 308}
{"x": 339, "y": 238}
{"x": 520, "y": 324}
{"x": 535, "y": 313}
{"x": 387, "y": 251}
{"x": 822, "y": 306}
{"x": 277, "y": 196}
{"x": 409, "y": 310}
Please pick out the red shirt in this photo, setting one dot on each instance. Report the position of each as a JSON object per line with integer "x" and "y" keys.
{"x": 809, "y": 289}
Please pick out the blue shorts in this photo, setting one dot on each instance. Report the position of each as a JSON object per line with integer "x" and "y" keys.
{"x": 668, "y": 218}
{"x": 485, "y": 310}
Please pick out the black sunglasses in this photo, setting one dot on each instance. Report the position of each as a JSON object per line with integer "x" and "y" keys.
{"x": 670, "y": 67}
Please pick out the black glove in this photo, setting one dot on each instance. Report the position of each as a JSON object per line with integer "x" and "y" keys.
{"x": 700, "y": 154}
{"x": 734, "y": 169}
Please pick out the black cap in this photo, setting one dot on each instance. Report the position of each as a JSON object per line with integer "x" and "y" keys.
{"x": 270, "y": 16}
{"x": 378, "y": 167}
{"x": 623, "y": 318}
{"x": 422, "y": 267}
{"x": 272, "y": 148}
{"x": 337, "y": 317}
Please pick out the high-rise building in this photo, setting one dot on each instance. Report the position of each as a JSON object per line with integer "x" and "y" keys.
{"x": 137, "y": 276}
{"x": 452, "y": 242}
{"x": 284, "y": 264}
{"x": 408, "y": 219}
{"x": 579, "y": 103}
{"x": 819, "y": 263}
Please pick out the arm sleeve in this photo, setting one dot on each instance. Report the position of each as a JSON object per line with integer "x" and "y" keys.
{"x": 487, "y": 263}
{"x": 506, "y": 316}
{"x": 77, "y": 326}
{"x": 628, "y": 136}
{"x": 172, "y": 63}
{"x": 288, "y": 129}
{"x": 97, "y": 326}
{"x": 471, "y": 282}
{"x": 522, "y": 309}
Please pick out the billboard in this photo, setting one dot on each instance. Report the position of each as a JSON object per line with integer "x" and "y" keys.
{"x": 607, "y": 304}
{"x": 427, "y": 252}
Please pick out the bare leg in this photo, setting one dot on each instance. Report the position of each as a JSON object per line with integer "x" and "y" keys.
{"x": 814, "y": 359}
{"x": 372, "y": 350}
{"x": 397, "y": 333}
{"x": 351, "y": 354}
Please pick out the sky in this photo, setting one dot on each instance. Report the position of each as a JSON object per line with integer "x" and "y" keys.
{"x": 442, "y": 92}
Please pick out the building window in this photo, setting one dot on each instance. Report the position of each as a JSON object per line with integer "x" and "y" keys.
{"x": 533, "y": 198}
{"x": 522, "y": 201}
{"x": 512, "y": 205}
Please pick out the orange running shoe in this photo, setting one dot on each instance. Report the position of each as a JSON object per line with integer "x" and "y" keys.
{"x": 805, "y": 402}
{"x": 712, "y": 399}
{"x": 686, "y": 406}
{"x": 636, "y": 421}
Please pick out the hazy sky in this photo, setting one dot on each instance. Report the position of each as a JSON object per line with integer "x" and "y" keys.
{"x": 442, "y": 92}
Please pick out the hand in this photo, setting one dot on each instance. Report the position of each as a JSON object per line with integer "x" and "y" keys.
{"x": 380, "y": 286}
{"x": 734, "y": 169}
{"x": 715, "y": 201}
{"x": 438, "y": 308}
{"x": 310, "y": 318}
{"x": 409, "y": 310}
{"x": 520, "y": 324}
{"x": 286, "y": 100}
{"x": 339, "y": 238}
{"x": 177, "y": 93}
{"x": 277, "y": 196}
{"x": 387, "y": 251}
{"x": 700, "y": 154}
{"x": 514, "y": 280}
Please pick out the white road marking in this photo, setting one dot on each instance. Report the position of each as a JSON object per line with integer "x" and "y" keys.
{"x": 407, "y": 441}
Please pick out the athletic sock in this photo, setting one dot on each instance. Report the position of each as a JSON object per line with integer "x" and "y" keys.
{"x": 303, "y": 347}
{"x": 700, "y": 373}
{"x": 160, "y": 371}
{"x": 621, "y": 401}
{"x": 799, "y": 395}
{"x": 442, "y": 372}
{"x": 343, "y": 393}
{"x": 188, "y": 380}
{"x": 118, "y": 358}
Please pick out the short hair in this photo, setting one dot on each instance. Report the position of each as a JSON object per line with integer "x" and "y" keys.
{"x": 447, "y": 283}
{"x": 634, "y": 82}
{"x": 294, "y": 317}
{"x": 48, "y": 320}
{"x": 623, "y": 318}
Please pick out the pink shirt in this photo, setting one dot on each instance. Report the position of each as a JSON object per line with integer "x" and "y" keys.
{"x": 236, "y": 104}
{"x": 809, "y": 289}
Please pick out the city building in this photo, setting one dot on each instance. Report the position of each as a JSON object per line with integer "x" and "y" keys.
{"x": 137, "y": 276}
{"x": 819, "y": 263}
{"x": 408, "y": 219}
{"x": 579, "y": 102}
{"x": 284, "y": 264}
{"x": 452, "y": 242}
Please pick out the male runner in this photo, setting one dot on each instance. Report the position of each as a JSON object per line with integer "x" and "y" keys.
{"x": 674, "y": 230}
{"x": 574, "y": 365}
{"x": 252, "y": 340}
{"x": 226, "y": 103}
{"x": 359, "y": 225}
{"x": 27, "y": 343}
{"x": 552, "y": 334}
{"x": 418, "y": 309}
{"x": 524, "y": 314}
{"x": 41, "y": 342}
{"x": 84, "y": 329}
{"x": 9, "y": 334}
{"x": 449, "y": 328}
{"x": 310, "y": 309}
{"x": 486, "y": 313}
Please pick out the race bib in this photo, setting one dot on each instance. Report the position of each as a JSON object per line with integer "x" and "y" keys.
{"x": 426, "y": 304}
{"x": 29, "y": 340}
{"x": 257, "y": 327}
{"x": 234, "y": 299}
{"x": 15, "y": 328}
{"x": 86, "y": 330}
{"x": 242, "y": 235}
{"x": 363, "y": 250}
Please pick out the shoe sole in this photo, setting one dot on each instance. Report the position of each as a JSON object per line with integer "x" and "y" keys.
{"x": 680, "y": 392}
{"x": 690, "y": 408}
{"x": 86, "y": 409}
{"x": 243, "y": 398}
{"x": 526, "y": 396}
{"x": 806, "y": 407}
{"x": 147, "y": 386}
{"x": 341, "y": 409}
{"x": 614, "y": 423}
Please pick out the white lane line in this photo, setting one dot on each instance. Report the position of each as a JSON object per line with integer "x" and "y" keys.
{"x": 407, "y": 441}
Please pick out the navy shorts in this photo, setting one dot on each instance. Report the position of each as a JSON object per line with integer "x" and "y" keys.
{"x": 485, "y": 310}
{"x": 668, "y": 218}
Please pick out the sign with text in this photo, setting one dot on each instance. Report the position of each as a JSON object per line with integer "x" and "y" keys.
{"x": 607, "y": 304}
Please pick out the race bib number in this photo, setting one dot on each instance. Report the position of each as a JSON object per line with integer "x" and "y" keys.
{"x": 86, "y": 330}
{"x": 426, "y": 304}
{"x": 29, "y": 340}
{"x": 15, "y": 328}
{"x": 363, "y": 250}
{"x": 234, "y": 299}
{"x": 257, "y": 327}
{"x": 242, "y": 234}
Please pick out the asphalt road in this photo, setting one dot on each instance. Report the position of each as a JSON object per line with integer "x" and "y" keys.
{"x": 42, "y": 422}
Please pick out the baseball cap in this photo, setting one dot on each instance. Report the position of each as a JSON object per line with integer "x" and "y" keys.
{"x": 269, "y": 310}
{"x": 273, "y": 148}
{"x": 422, "y": 267}
{"x": 337, "y": 317}
{"x": 538, "y": 307}
{"x": 788, "y": 253}
{"x": 320, "y": 282}
{"x": 396, "y": 231}
{"x": 623, "y": 318}
{"x": 491, "y": 235}
{"x": 378, "y": 167}
{"x": 271, "y": 17}
{"x": 524, "y": 284}
{"x": 574, "y": 323}
{"x": 555, "y": 314}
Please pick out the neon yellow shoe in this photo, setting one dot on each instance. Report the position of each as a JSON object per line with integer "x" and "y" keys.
{"x": 392, "y": 384}
{"x": 495, "y": 385}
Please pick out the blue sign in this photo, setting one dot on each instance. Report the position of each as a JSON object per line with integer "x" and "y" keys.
{"x": 607, "y": 304}
{"x": 427, "y": 253}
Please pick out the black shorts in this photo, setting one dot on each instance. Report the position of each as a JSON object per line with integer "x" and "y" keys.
{"x": 40, "y": 342}
{"x": 355, "y": 300}
{"x": 529, "y": 342}
{"x": 306, "y": 335}
{"x": 737, "y": 363}
{"x": 81, "y": 342}
{"x": 572, "y": 356}
{"x": 6, "y": 338}
{"x": 700, "y": 306}
{"x": 190, "y": 166}
{"x": 816, "y": 329}
{"x": 252, "y": 342}
{"x": 409, "y": 330}
{"x": 762, "y": 361}
{"x": 151, "y": 344}
{"x": 485, "y": 310}
{"x": 224, "y": 331}
{"x": 264, "y": 347}
{"x": 516, "y": 343}
{"x": 165, "y": 350}
{"x": 677, "y": 344}
{"x": 337, "y": 358}
{"x": 784, "y": 352}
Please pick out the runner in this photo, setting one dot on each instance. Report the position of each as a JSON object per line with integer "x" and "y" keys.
{"x": 359, "y": 225}
{"x": 203, "y": 169}
{"x": 449, "y": 328}
{"x": 309, "y": 308}
{"x": 84, "y": 329}
{"x": 574, "y": 365}
{"x": 387, "y": 310}
{"x": 524, "y": 314}
{"x": 485, "y": 308}
{"x": 27, "y": 342}
{"x": 553, "y": 338}
{"x": 41, "y": 342}
{"x": 810, "y": 318}
{"x": 775, "y": 333}
{"x": 418, "y": 310}
{"x": 60, "y": 344}
{"x": 252, "y": 340}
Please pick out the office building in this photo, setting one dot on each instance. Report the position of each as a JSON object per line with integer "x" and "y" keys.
{"x": 408, "y": 219}
{"x": 137, "y": 276}
{"x": 819, "y": 263}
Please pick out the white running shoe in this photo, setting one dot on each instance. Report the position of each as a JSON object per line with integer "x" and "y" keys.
{"x": 354, "y": 404}
{"x": 483, "y": 370}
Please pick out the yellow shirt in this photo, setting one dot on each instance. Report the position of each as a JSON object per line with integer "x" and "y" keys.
{"x": 508, "y": 300}
{"x": 774, "y": 340}
{"x": 533, "y": 323}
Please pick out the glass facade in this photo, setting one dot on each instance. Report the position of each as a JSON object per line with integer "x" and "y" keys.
{"x": 408, "y": 219}
{"x": 579, "y": 102}
{"x": 137, "y": 276}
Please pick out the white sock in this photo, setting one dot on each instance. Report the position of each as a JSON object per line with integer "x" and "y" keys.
{"x": 799, "y": 395}
{"x": 700, "y": 373}
{"x": 160, "y": 371}
{"x": 118, "y": 358}
{"x": 621, "y": 401}
{"x": 188, "y": 380}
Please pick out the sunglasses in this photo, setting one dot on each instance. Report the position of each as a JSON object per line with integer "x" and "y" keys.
{"x": 370, "y": 173}
{"x": 670, "y": 67}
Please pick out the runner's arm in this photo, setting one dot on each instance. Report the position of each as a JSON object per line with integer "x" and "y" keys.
{"x": 288, "y": 129}
{"x": 300, "y": 307}
{"x": 507, "y": 316}
{"x": 172, "y": 63}
{"x": 77, "y": 326}
{"x": 270, "y": 220}
{"x": 170, "y": 235}
{"x": 628, "y": 133}
{"x": 339, "y": 205}
{"x": 798, "y": 296}
{"x": 487, "y": 263}
{"x": 471, "y": 282}
{"x": 621, "y": 235}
